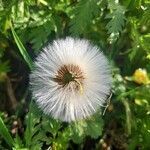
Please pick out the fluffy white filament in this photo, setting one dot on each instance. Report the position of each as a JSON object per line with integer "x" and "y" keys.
{"x": 66, "y": 102}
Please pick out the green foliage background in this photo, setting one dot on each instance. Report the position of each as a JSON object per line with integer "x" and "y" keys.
{"x": 121, "y": 28}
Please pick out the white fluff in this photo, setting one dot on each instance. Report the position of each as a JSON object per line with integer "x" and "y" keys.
{"x": 62, "y": 103}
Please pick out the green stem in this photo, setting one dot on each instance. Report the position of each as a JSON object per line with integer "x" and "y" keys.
{"x": 5, "y": 133}
{"x": 128, "y": 116}
{"x": 22, "y": 49}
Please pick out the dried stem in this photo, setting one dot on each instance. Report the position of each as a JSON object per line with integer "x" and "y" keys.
{"x": 10, "y": 93}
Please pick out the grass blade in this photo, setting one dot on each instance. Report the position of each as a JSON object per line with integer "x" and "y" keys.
{"x": 22, "y": 49}
{"x": 5, "y": 134}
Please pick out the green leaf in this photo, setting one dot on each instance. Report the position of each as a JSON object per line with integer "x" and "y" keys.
{"x": 22, "y": 49}
{"x": 32, "y": 125}
{"x": 90, "y": 127}
{"x": 5, "y": 133}
{"x": 83, "y": 15}
{"x": 95, "y": 126}
{"x": 78, "y": 131}
{"x": 18, "y": 143}
{"x": 117, "y": 19}
{"x": 62, "y": 140}
{"x": 39, "y": 35}
{"x": 51, "y": 125}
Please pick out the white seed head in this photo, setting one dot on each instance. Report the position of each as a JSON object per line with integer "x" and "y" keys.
{"x": 71, "y": 79}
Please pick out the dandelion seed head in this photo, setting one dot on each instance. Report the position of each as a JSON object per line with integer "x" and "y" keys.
{"x": 71, "y": 79}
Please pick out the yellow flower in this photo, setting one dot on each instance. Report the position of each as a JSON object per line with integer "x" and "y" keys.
{"x": 140, "y": 76}
{"x": 141, "y": 102}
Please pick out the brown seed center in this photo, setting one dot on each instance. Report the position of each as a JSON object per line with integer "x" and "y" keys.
{"x": 69, "y": 73}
